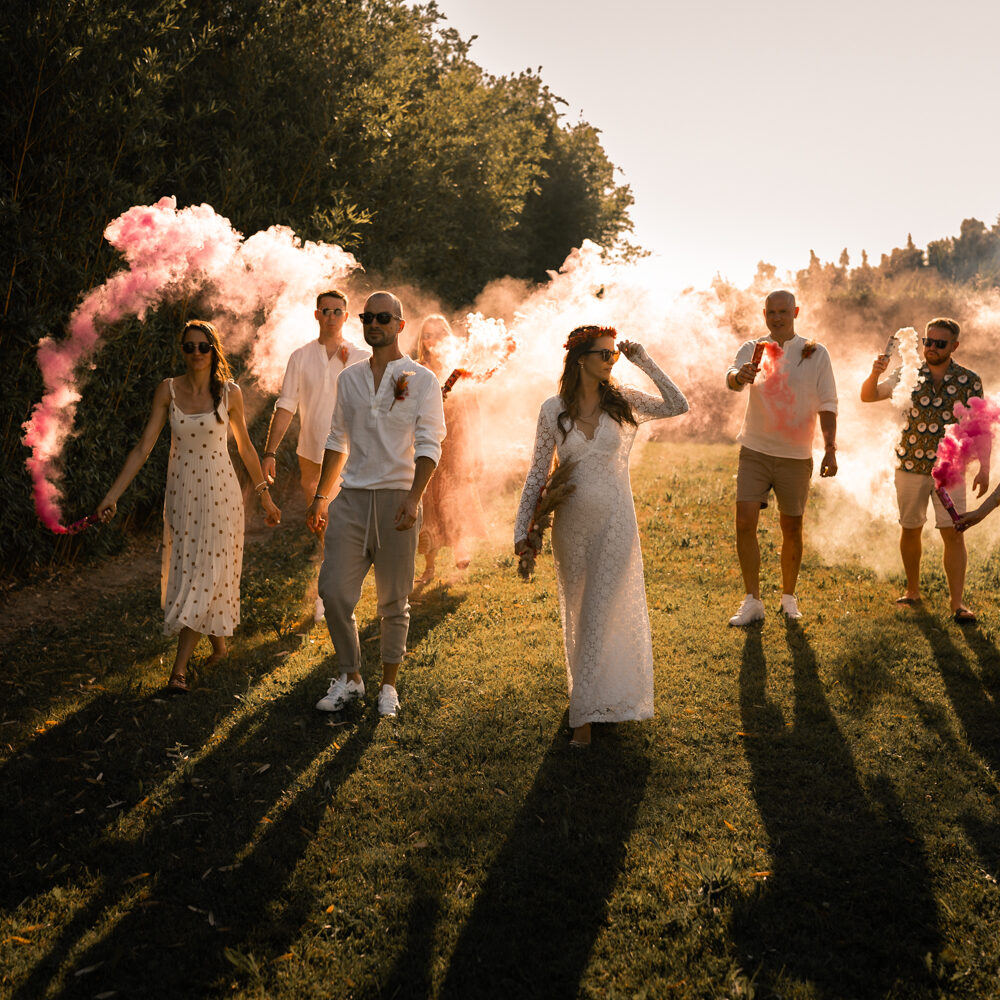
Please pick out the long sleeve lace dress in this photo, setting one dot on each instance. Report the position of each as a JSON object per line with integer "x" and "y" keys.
{"x": 595, "y": 541}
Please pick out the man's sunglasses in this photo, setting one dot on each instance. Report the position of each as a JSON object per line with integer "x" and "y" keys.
{"x": 383, "y": 318}
{"x": 934, "y": 342}
{"x": 332, "y": 312}
{"x": 201, "y": 346}
{"x": 605, "y": 353}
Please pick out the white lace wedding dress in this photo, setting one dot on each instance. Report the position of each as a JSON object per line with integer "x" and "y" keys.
{"x": 595, "y": 540}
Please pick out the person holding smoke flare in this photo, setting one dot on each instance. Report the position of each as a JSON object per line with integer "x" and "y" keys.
{"x": 592, "y": 422}
{"x": 203, "y": 505}
{"x": 940, "y": 385}
{"x": 776, "y": 445}
{"x": 973, "y": 517}
{"x": 453, "y": 513}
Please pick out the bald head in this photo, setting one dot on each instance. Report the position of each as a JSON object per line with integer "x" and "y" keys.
{"x": 780, "y": 294}
{"x": 780, "y": 311}
{"x": 384, "y": 302}
{"x": 381, "y": 321}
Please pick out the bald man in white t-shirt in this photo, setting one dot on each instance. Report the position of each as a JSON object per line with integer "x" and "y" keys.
{"x": 777, "y": 439}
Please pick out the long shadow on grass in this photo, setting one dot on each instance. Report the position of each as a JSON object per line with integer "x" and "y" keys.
{"x": 219, "y": 856}
{"x": 975, "y": 698}
{"x": 545, "y": 897}
{"x": 849, "y": 904}
{"x": 206, "y": 890}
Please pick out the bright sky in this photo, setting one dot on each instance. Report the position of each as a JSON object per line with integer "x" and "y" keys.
{"x": 759, "y": 131}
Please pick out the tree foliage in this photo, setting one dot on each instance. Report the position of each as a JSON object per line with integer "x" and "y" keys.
{"x": 359, "y": 122}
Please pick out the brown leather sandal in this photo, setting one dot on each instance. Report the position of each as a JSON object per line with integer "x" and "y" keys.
{"x": 177, "y": 684}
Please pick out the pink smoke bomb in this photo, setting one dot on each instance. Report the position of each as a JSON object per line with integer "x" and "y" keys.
{"x": 758, "y": 353}
{"x": 945, "y": 497}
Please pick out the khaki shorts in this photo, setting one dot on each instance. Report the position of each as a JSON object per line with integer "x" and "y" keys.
{"x": 912, "y": 491}
{"x": 757, "y": 474}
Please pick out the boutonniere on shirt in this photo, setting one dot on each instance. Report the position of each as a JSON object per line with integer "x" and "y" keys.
{"x": 400, "y": 387}
{"x": 808, "y": 348}
{"x": 342, "y": 354}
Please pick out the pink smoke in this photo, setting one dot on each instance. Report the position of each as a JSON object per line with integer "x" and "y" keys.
{"x": 775, "y": 385}
{"x": 969, "y": 438}
{"x": 173, "y": 254}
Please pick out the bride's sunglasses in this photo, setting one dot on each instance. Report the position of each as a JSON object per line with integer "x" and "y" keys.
{"x": 201, "y": 346}
{"x": 605, "y": 353}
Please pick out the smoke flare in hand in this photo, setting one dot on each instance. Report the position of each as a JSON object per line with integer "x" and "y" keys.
{"x": 171, "y": 255}
{"x": 970, "y": 437}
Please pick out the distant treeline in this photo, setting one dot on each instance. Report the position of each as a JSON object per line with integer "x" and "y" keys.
{"x": 358, "y": 122}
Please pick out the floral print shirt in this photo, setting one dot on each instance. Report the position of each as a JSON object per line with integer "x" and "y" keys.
{"x": 930, "y": 412}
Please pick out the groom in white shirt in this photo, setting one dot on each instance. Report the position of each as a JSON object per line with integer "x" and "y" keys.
{"x": 385, "y": 438}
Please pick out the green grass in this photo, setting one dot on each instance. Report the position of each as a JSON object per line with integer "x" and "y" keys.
{"x": 813, "y": 813}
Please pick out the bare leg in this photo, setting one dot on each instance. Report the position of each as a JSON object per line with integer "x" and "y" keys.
{"x": 581, "y": 735}
{"x": 186, "y": 642}
{"x": 791, "y": 551}
{"x": 389, "y": 671}
{"x": 954, "y": 565}
{"x": 219, "y": 649}
{"x": 430, "y": 557}
{"x": 747, "y": 547}
{"x": 910, "y": 548}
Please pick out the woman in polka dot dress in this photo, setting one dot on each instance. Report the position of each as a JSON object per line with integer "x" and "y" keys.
{"x": 203, "y": 507}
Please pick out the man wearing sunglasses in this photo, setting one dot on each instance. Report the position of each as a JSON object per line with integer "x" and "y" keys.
{"x": 310, "y": 386}
{"x": 385, "y": 438}
{"x": 939, "y": 386}
{"x": 776, "y": 439}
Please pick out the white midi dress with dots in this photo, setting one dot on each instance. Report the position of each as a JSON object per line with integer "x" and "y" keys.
{"x": 202, "y": 526}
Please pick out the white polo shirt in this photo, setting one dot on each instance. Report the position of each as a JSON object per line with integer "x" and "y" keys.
{"x": 383, "y": 433}
{"x": 310, "y": 384}
{"x": 780, "y": 418}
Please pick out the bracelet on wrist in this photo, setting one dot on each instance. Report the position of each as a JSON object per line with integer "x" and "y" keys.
{"x": 319, "y": 496}
{"x": 260, "y": 488}
{"x": 270, "y": 454}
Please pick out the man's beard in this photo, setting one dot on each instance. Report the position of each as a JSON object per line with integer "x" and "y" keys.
{"x": 377, "y": 338}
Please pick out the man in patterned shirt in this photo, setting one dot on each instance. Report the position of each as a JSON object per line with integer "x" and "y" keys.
{"x": 940, "y": 385}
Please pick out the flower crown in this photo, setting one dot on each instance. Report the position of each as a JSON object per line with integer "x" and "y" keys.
{"x": 584, "y": 333}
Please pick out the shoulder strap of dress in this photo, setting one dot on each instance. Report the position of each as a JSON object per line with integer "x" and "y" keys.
{"x": 170, "y": 382}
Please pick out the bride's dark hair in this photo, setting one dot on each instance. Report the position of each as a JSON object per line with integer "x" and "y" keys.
{"x": 611, "y": 399}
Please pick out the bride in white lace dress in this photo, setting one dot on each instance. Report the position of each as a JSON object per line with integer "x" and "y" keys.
{"x": 595, "y": 537}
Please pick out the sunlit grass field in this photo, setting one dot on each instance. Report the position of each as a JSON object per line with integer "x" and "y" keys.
{"x": 813, "y": 813}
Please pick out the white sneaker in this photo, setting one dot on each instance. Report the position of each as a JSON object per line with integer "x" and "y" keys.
{"x": 790, "y": 607}
{"x": 341, "y": 692}
{"x": 751, "y": 610}
{"x": 388, "y": 700}
{"x": 320, "y": 612}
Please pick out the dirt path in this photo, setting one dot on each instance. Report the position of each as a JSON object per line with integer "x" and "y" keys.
{"x": 73, "y": 591}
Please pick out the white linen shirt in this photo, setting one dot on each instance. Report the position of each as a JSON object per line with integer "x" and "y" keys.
{"x": 310, "y": 384}
{"x": 780, "y": 418}
{"x": 381, "y": 434}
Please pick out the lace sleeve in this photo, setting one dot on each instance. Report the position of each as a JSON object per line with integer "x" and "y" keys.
{"x": 541, "y": 462}
{"x": 671, "y": 401}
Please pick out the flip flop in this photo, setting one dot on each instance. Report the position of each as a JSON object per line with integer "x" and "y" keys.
{"x": 963, "y": 616}
{"x": 909, "y": 602}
